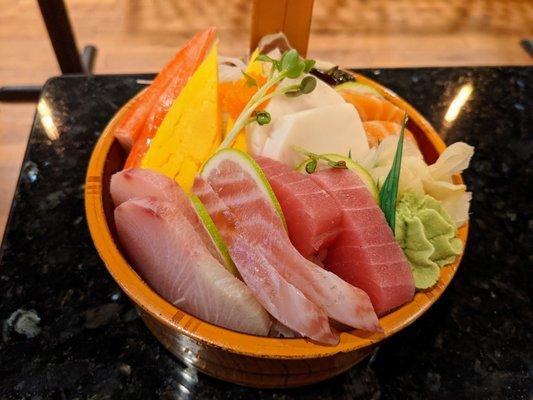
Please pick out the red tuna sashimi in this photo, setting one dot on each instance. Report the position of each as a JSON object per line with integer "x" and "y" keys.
{"x": 257, "y": 219}
{"x": 365, "y": 253}
{"x": 313, "y": 218}
{"x": 281, "y": 299}
{"x": 149, "y": 108}
{"x": 168, "y": 253}
{"x": 139, "y": 182}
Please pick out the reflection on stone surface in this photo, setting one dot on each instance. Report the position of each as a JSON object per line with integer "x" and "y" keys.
{"x": 458, "y": 102}
{"x": 45, "y": 114}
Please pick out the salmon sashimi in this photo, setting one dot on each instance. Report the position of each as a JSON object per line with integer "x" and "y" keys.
{"x": 376, "y": 131}
{"x": 365, "y": 253}
{"x": 140, "y": 123}
{"x": 139, "y": 182}
{"x": 281, "y": 299}
{"x": 170, "y": 256}
{"x": 313, "y": 218}
{"x": 256, "y": 217}
{"x": 373, "y": 108}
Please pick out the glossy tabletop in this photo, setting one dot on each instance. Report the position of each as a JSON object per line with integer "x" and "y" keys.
{"x": 68, "y": 332}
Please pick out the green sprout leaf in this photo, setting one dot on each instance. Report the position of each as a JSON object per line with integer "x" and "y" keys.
{"x": 389, "y": 191}
{"x": 308, "y": 84}
{"x": 308, "y": 65}
{"x": 289, "y": 59}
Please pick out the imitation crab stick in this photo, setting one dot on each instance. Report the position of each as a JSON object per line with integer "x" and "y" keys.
{"x": 141, "y": 121}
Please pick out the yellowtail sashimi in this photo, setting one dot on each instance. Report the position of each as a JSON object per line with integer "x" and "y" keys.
{"x": 168, "y": 253}
{"x": 139, "y": 182}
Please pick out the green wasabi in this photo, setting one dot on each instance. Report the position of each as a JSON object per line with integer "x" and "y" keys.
{"x": 427, "y": 235}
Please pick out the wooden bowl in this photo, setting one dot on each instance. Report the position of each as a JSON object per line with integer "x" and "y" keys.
{"x": 231, "y": 356}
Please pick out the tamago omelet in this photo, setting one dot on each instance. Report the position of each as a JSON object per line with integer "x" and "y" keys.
{"x": 191, "y": 129}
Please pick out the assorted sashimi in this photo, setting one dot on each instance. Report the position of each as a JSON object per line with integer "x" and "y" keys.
{"x": 281, "y": 299}
{"x": 170, "y": 256}
{"x": 280, "y": 196}
{"x": 260, "y": 224}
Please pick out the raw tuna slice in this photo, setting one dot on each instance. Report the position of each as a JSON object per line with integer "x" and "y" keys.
{"x": 313, "y": 218}
{"x": 365, "y": 253}
{"x": 139, "y": 182}
{"x": 256, "y": 217}
{"x": 281, "y": 299}
{"x": 168, "y": 253}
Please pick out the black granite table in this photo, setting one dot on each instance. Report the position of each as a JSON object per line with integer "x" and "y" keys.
{"x": 68, "y": 331}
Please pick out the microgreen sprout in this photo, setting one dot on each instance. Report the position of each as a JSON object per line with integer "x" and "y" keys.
{"x": 291, "y": 65}
{"x": 262, "y": 117}
{"x": 313, "y": 159}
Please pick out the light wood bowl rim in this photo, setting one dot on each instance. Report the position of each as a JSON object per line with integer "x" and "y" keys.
{"x": 261, "y": 347}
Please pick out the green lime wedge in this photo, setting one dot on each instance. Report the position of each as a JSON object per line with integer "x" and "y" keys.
{"x": 211, "y": 228}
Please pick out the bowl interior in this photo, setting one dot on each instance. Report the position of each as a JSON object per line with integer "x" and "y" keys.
{"x": 108, "y": 157}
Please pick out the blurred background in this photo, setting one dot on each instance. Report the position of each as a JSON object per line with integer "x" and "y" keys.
{"x": 141, "y": 35}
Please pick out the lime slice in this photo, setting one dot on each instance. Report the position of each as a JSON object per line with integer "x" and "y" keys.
{"x": 211, "y": 228}
{"x": 352, "y": 166}
{"x": 357, "y": 87}
{"x": 248, "y": 164}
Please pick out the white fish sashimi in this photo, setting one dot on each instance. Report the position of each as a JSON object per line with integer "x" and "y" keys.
{"x": 168, "y": 253}
{"x": 330, "y": 129}
{"x": 279, "y": 106}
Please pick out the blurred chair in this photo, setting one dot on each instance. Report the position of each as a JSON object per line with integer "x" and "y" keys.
{"x": 63, "y": 41}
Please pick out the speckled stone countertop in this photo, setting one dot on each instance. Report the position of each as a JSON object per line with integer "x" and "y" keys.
{"x": 68, "y": 332}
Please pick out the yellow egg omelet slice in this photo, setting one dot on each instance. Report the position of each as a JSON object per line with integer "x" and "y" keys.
{"x": 191, "y": 128}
